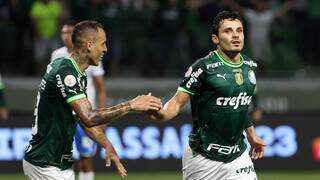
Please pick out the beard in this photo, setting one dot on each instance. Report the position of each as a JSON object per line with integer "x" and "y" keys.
{"x": 232, "y": 53}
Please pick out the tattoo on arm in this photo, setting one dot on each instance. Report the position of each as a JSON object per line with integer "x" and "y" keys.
{"x": 93, "y": 117}
{"x": 106, "y": 115}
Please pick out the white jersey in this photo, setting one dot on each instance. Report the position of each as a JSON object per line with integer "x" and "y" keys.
{"x": 91, "y": 72}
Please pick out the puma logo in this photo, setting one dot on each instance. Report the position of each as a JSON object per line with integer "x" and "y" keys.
{"x": 222, "y": 76}
{"x": 72, "y": 91}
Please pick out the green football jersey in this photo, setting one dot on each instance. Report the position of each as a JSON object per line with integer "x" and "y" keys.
{"x": 2, "y": 99}
{"x": 220, "y": 95}
{"x": 55, "y": 122}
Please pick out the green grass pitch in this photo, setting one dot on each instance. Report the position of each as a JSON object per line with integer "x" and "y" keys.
{"x": 294, "y": 175}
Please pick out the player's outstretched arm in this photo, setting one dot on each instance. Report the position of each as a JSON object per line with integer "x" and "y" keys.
{"x": 93, "y": 117}
{"x": 172, "y": 108}
{"x": 97, "y": 134}
{"x": 257, "y": 145}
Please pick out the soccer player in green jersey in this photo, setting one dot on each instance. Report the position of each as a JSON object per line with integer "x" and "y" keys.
{"x": 62, "y": 103}
{"x": 220, "y": 87}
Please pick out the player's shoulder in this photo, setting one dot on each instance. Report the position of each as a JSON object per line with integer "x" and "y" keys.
{"x": 64, "y": 65}
{"x": 204, "y": 61}
{"x": 209, "y": 61}
{"x": 249, "y": 62}
{"x": 200, "y": 65}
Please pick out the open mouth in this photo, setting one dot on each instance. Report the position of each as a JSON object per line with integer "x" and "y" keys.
{"x": 235, "y": 43}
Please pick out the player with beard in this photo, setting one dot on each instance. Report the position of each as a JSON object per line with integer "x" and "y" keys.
{"x": 220, "y": 87}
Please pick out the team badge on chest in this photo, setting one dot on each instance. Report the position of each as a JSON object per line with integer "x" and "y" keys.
{"x": 238, "y": 76}
{"x": 252, "y": 77}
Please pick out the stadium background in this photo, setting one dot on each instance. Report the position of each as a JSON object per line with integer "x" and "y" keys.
{"x": 151, "y": 43}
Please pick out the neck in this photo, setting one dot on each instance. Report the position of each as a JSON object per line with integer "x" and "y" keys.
{"x": 233, "y": 57}
{"x": 80, "y": 59}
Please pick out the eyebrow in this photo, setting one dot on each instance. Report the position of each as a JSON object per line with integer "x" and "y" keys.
{"x": 227, "y": 28}
{"x": 230, "y": 28}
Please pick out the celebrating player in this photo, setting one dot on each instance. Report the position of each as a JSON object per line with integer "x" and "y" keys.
{"x": 220, "y": 86}
{"x": 95, "y": 91}
{"x": 62, "y": 103}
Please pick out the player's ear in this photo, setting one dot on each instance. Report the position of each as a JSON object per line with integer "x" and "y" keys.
{"x": 89, "y": 45}
{"x": 215, "y": 39}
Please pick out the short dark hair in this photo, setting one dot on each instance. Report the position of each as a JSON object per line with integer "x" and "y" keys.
{"x": 83, "y": 30}
{"x": 222, "y": 16}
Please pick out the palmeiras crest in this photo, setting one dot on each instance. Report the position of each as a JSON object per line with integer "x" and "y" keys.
{"x": 238, "y": 76}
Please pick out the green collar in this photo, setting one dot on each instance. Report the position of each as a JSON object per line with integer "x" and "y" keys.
{"x": 75, "y": 65}
{"x": 233, "y": 65}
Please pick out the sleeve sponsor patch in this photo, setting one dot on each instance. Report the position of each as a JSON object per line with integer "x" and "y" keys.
{"x": 70, "y": 80}
{"x": 194, "y": 77}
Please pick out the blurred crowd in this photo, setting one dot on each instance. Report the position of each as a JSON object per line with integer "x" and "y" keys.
{"x": 159, "y": 37}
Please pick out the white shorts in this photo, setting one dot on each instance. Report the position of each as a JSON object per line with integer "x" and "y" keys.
{"x": 47, "y": 173}
{"x": 197, "y": 167}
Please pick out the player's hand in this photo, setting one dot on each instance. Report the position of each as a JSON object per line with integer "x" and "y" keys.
{"x": 257, "y": 147}
{"x": 257, "y": 115}
{"x": 156, "y": 115}
{"x": 111, "y": 155}
{"x": 145, "y": 103}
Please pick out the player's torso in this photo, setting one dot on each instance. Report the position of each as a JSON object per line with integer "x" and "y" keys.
{"x": 227, "y": 89}
{"x": 220, "y": 108}
{"x": 53, "y": 93}
{"x": 55, "y": 122}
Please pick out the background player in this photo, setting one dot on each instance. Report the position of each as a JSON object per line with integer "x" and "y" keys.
{"x": 86, "y": 147}
{"x": 62, "y": 103}
{"x": 220, "y": 86}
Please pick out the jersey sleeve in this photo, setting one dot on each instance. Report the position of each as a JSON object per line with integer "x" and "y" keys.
{"x": 193, "y": 80}
{"x": 69, "y": 84}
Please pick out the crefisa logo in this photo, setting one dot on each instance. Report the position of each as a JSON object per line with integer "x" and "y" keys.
{"x": 316, "y": 149}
